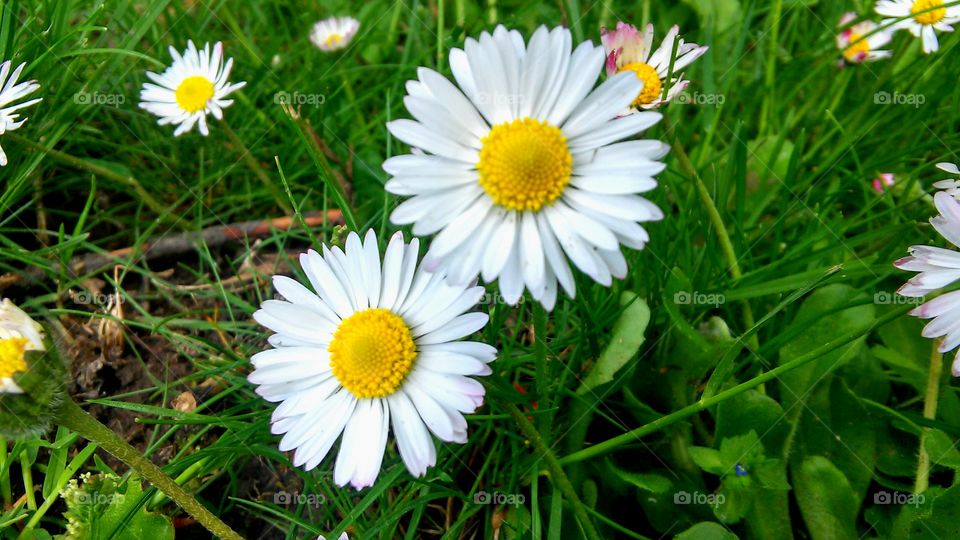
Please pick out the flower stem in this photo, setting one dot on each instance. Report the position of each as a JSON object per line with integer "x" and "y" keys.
{"x": 71, "y": 416}
{"x": 559, "y": 477}
{"x": 726, "y": 246}
{"x": 251, "y": 162}
{"x": 542, "y": 379}
{"x": 930, "y": 412}
{"x": 161, "y": 210}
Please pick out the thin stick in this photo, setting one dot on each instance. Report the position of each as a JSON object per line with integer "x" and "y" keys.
{"x": 181, "y": 243}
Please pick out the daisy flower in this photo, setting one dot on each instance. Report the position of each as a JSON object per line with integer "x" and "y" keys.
{"x": 334, "y": 33}
{"x": 10, "y": 92}
{"x": 373, "y": 347}
{"x": 628, "y": 50}
{"x": 951, "y": 185}
{"x": 18, "y": 334}
{"x": 882, "y": 182}
{"x": 517, "y": 166}
{"x": 194, "y": 86}
{"x": 938, "y": 268}
{"x": 923, "y": 18}
{"x": 861, "y": 42}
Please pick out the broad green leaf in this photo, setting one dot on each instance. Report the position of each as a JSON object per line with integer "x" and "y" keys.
{"x": 942, "y": 449}
{"x": 836, "y": 425}
{"x": 827, "y": 314}
{"x": 626, "y": 341}
{"x": 706, "y": 530}
{"x": 753, "y": 411}
{"x": 649, "y": 482}
{"x": 707, "y": 459}
{"x": 101, "y": 505}
{"x": 826, "y": 500}
{"x": 943, "y": 519}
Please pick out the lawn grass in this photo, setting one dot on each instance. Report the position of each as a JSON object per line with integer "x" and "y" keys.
{"x": 784, "y": 142}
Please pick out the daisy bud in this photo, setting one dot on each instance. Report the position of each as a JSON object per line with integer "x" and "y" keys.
{"x": 32, "y": 377}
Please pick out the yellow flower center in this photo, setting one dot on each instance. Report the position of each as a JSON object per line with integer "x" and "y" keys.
{"x": 372, "y": 352}
{"x": 333, "y": 40}
{"x": 11, "y": 356}
{"x": 193, "y": 93}
{"x": 936, "y": 12}
{"x": 524, "y": 164}
{"x": 652, "y": 86}
{"x": 858, "y": 49}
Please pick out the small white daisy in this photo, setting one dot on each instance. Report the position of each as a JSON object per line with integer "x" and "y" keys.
{"x": 951, "y": 185}
{"x": 334, "y": 33}
{"x": 861, "y": 42}
{"x": 923, "y": 18}
{"x": 628, "y": 50}
{"x": 938, "y": 268}
{"x": 518, "y": 167}
{"x": 373, "y": 347}
{"x": 194, "y": 86}
{"x": 18, "y": 334}
{"x": 11, "y": 91}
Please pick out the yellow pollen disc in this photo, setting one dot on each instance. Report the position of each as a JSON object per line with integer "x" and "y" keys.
{"x": 193, "y": 93}
{"x": 524, "y": 164}
{"x": 333, "y": 39}
{"x": 11, "y": 356}
{"x": 930, "y": 17}
{"x": 372, "y": 352}
{"x": 859, "y": 48}
{"x": 652, "y": 86}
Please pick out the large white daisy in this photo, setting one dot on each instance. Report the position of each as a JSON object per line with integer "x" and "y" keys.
{"x": 923, "y": 18}
{"x": 194, "y": 86}
{"x": 517, "y": 166}
{"x": 628, "y": 50}
{"x": 372, "y": 347}
{"x": 862, "y": 41}
{"x": 938, "y": 268}
{"x": 18, "y": 334}
{"x": 10, "y": 92}
{"x": 334, "y": 33}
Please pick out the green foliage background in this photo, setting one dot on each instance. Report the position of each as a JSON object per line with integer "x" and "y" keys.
{"x": 820, "y": 439}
